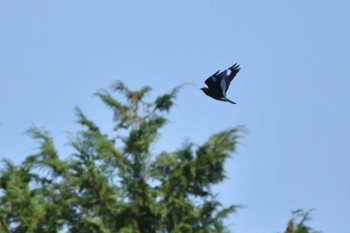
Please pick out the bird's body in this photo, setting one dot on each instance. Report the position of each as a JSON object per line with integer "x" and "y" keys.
{"x": 219, "y": 83}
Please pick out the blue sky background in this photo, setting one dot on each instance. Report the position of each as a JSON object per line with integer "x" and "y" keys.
{"x": 292, "y": 92}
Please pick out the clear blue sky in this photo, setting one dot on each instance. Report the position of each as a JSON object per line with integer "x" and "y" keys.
{"x": 292, "y": 93}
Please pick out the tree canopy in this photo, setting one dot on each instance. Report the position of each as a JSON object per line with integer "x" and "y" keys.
{"x": 114, "y": 183}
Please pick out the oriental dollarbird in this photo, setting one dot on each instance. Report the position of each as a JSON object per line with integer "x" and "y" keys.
{"x": 219, "y": 83}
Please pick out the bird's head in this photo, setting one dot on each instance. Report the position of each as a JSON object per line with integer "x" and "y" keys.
{"x": 204, "y": 89}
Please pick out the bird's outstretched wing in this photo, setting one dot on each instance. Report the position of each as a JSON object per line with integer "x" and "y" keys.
{"x": 227, "y": 76}
{"x": 213, "y": 81}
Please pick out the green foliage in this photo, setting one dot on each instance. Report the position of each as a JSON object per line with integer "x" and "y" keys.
{"x": 113, "y": 183}
{"x": 297, "y": 224}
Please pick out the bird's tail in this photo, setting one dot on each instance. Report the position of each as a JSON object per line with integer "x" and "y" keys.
{"x": 230, "y": 101}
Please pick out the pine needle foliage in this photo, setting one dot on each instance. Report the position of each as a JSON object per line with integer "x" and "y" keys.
{"x": 114, "y": 183}
{"x": 298, "y": 222}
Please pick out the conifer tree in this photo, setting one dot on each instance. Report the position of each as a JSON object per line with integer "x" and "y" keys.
{"x": 297, "y": 224}
{"x": 114, "y": 183}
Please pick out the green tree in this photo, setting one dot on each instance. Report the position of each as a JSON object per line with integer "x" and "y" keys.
{"x": 297, "y": 224}
{"x": 113, "y": 183}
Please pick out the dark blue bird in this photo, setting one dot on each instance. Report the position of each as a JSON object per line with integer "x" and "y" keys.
{"x": 219, "y": 83}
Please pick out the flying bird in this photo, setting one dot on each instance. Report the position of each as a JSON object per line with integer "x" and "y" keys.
{"x": 219, "y": 83}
